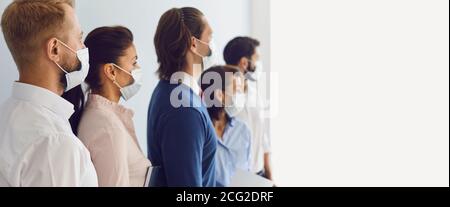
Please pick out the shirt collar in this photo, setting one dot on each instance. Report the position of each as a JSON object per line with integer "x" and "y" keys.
{"x": 103, "y": 103}
{"x": 189, "y": 81}
{"x": 231, "y": 121}
{"x": 43, "y": 97}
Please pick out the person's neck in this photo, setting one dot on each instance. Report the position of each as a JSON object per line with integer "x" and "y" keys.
{"x": 107, "y": 93}
{"x": 37, "y": 77}
{"x": 189, "y": 70}
{"x": 189, "y": 67}
{"x": 220, "y": 123}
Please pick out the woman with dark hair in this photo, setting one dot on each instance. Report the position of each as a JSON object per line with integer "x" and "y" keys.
{"x": 102, "y": 124}
{"x": 224, "y": 97}
{"x": 181, "y": 138}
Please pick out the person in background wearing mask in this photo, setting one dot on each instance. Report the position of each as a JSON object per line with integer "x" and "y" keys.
{"x": 37, "y": 147}
{"x": 181, "y": 137}
{"x": 241, "y": 52}
{"x": 224, "y": 96}
{"x": 105, "y": 126}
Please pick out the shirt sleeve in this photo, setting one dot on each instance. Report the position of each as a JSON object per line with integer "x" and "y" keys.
{"x": 58, "y": 161}
{"x": 182, "y": 141}
{"x": 265, "y": 133}
{"x": 109, "y": 154}
{"x": 263, "y": 122}
{"x": 249, "y": 148}
{"x": 266, "y": 142}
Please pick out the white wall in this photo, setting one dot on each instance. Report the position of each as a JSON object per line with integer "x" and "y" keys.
{"x": 364, "y": 92}
{"x": 8, "y": 71}
{"x": 260, "y": 24}
{"x": 229, "y": 18}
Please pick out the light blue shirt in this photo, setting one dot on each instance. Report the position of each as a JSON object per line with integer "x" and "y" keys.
{"x": 233, "y": 151}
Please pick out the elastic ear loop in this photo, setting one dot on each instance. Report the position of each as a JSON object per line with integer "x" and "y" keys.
{"x": 114, "y": 80}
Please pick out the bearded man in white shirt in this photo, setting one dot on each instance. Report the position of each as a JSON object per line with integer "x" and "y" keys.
{"x": 37, "y": 146}
{"x": 242, "y": 53}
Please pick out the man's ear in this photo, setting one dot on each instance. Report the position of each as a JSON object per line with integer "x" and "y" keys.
{"x": 53, "y": 51}
{"x": 110, "y": 73}
{"x": 243, "y": 64}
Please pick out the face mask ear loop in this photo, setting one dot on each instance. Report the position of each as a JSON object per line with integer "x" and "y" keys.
{"x": 65, "y": 45}
{"x": 61, "y": 67}
{"x": 204, "y": 44}
{"x": 122, "y": 69}
{"x": 116, "y": 83}
{"x": 114, "y": 78}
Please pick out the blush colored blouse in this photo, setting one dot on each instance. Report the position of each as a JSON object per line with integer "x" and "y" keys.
{"x": 107, "y": 130}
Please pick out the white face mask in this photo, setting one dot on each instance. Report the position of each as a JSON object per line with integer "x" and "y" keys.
{"x": 237, "y": 104}
{"x": 129, "y": 91}
{"x": 211, "y": 59}
{"x": 75, "y": 78}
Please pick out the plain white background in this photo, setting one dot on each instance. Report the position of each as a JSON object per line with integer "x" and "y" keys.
{"x": 363, "y": 92}
{"x": 362, "y": 87}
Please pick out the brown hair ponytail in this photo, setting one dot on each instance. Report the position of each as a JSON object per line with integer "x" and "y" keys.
{"x": 173, "y": 38}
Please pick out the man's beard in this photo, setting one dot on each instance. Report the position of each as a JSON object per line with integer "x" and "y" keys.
{"x": 62, "y": 79}
{"x": 251, "y": 68}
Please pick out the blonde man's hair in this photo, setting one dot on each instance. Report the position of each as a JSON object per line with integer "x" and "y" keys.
{"x": 26, "y": 24}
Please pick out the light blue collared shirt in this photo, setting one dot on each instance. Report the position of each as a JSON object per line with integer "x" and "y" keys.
{"x": 233, "y": 151}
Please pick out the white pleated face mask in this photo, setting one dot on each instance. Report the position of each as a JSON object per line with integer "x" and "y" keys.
{"x": 210, "y": 59}
{"x": 75, "y": 78}
{"x": 131, "y": 90}
{"x": 237, "y": 104}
